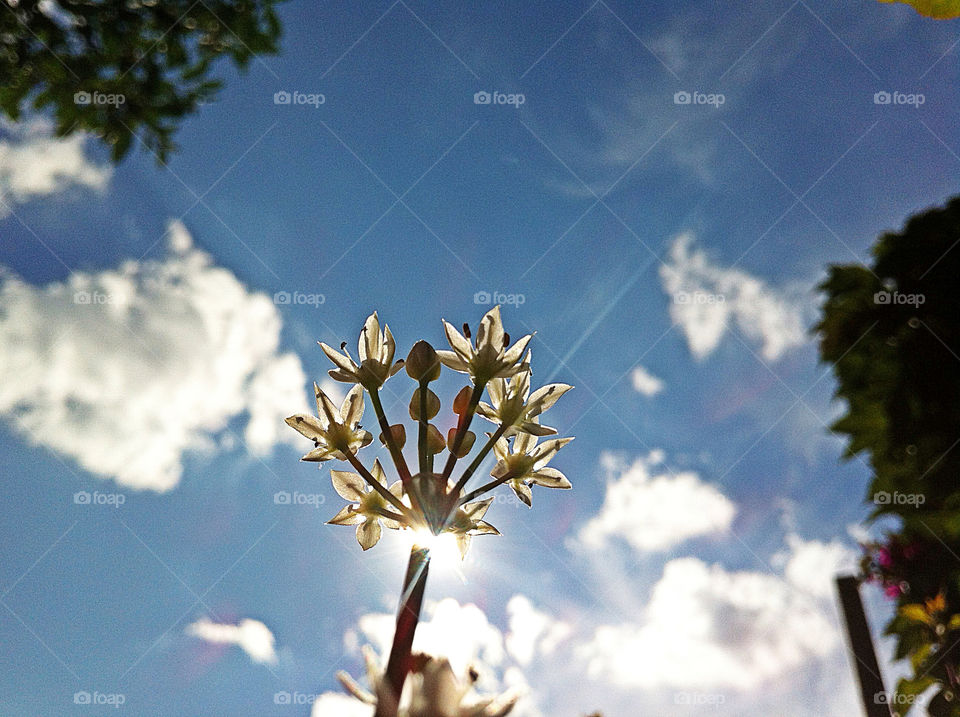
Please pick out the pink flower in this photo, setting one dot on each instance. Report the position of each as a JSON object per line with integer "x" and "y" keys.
{"x": 884, "y": 559}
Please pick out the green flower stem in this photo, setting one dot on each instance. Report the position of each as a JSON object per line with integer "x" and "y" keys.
{"x": 408, "y": 616}
{"x": 424, "y": 422}
{"x": 487, "y": 447}
{"x": 375, "y": 484}
{"x": 484, "y": 488}
{"x": 395, "y": 453}
{"x": 463, "y": 424}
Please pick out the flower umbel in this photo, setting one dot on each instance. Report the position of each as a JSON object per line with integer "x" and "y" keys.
{"x": 335, "y": 433}
{"x": 430, "y": 500}
{"x": 433, "y": 690}
{"x": 490, "y": 358}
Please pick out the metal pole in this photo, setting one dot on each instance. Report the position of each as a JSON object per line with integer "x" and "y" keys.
{"x": 874, "y": 696}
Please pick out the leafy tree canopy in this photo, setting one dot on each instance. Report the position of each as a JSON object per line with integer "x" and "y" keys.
{"x": 122, "y": 69}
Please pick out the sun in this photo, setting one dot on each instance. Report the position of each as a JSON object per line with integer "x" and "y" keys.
{"x": 444, "y": 552}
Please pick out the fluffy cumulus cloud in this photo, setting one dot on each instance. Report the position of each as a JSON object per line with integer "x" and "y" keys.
{"x": 707, "y": 299}
{"x": 708, "y": 629}
{"x": 812, "y": 565}
{"x": 463, "y": 635}
{"x": 124, "y": 370}
{"x": 251, "y": 636}
{"x": 34, "y": 163}
{"x": 645, "y": 382}
{"x": 654, "y": 509}
{"x": 532, "y": 631}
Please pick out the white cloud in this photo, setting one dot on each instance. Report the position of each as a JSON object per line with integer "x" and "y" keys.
{"x": 644, "y": 382}
{"x": 532, "y": 632}
{"x": 655, "y": 510}
{"x": 706, "y": 628}
{"x": 705, "y": 299}
{"x": 124, "y": 370}
{"x": 251, "y": 636}
{"x": 37, "y": 164}
{"x": 812, "y": 565}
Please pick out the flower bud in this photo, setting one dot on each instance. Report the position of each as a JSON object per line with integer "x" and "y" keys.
{"x": 466, "y": 444}
{"x": 422, "y": 363}
{"x": 397, "y": 433}
{"x": 462, "y": 400}
{"x": 433, "y": 405}
{"x": 435, "y": 442}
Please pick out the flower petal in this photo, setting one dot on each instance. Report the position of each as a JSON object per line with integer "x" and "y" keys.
{"x": 349, "y": 485}
{"x": 474, "y": 511}
{"x": 369, "y": 344}
{"x": 453, "y": 360}
{"x": 484, "y": 528}
{"x": 523, "y": 491}
{"x": 545, "y": 396}
{"x": 319, "y": 455}
{"x": 344, "y": 363}
{"x": 326, "y": 409}
{"x": 307, "y": 425}
{"x": 346, "y": 516}
{"x": 368, "y": 533}
{"x": 388, "y": 348}
{"x": 490, "y": 331}
{"x": 550, "y": 478}
{"x": 512, "y": 355}
{"x": 352, "y": 408}
{"x": 458, "y": 342}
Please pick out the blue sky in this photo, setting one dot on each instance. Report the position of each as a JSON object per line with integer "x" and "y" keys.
{"x": 666, "y": 254}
